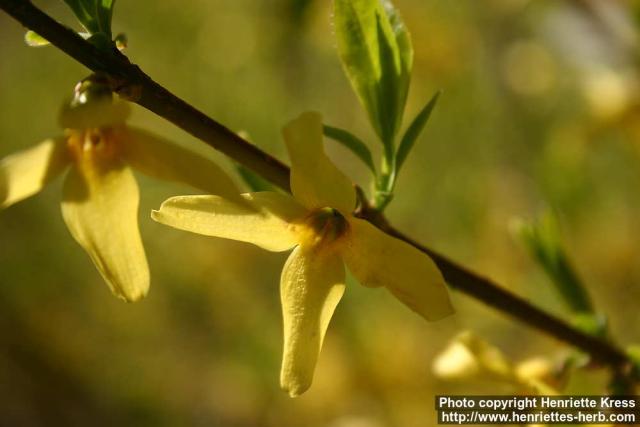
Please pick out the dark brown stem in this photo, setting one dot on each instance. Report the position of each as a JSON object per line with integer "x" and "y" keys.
{"x": 131, "y": 82}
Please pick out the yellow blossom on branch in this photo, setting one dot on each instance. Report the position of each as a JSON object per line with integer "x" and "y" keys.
{"x": 318, "y": 223}
{"x": 100, "y": 196}
{"x": 470, "y": 357}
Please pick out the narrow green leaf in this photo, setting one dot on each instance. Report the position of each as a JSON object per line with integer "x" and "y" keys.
{"x": 253, "y": 180}
{"x": 590, "y": 323}
{"x": 414, "y": 130}
{"x": 34, "y": 39}
{"x": 389, "y": 108}
{"x": 542, "y": 240}
{"x": 351, "y": 142}
{"x": 85, "y": 12}
{"x": 104, "y": 14}
{"x": 398, "y": 73}
{"x": 376, "y": 53}
{"x": 400, "y": 34}
{"x": 94, "y": 15}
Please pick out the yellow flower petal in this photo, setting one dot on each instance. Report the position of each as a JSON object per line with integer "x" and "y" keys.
{"x": 456, "y": 362}
{"x": 268, "y": 225}
{"x": 315, "y": 181}
{"x": 100, "y": 207}
{"x": 26, "y": 172}
{"x": 469, "y": 355}
{"x": 162, "y": 159}
{"x": 311, "y": 286}
{"x": 377, "y": 259}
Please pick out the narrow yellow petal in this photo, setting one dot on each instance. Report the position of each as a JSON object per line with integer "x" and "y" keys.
{"x": 377, "y": 259}
{"x": 270, "y": 225}
{"x": 162, "y": 159}
{"x": 100, "y": 207}
{"x": 311, "y": 286}
{"x": 23, "y": 174}
{"x": 315, "y": 181}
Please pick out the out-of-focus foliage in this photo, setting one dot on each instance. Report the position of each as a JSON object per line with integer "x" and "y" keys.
{"x": 543, "y": 241}
{"x": 538, "y": 108}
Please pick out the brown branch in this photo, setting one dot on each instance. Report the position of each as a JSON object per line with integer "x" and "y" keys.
{"x": 131, "y": 82}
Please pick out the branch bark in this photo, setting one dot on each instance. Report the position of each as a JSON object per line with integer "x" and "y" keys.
{"x": 131, "y": 82}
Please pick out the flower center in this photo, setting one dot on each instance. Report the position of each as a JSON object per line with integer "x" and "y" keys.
{"x": 326, "y": 226}
{"x": 93, "y": 144}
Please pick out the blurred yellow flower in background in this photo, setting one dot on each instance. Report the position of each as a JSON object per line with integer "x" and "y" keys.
{"x": 100, "y": 196}
{"x": 318, "y": 223}
{"x": 468, "y": 356}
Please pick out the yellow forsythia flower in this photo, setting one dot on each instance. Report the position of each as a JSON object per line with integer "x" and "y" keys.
{"x": 318, "y": 223}
{"x": 470, "y": 357}
{"x": 100, "y": 197}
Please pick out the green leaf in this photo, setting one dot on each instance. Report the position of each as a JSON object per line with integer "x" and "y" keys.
{"x": 351, "y": 142}
{"x": 592, "y": 324}
{"x": 94, "y": 15}
{"x": 414, "y": 130}
{"x": 375, "y": 50}
{"x": 254, "y": 181}
{"x": 34, "y": 39}
{"x": 104, "y": 14}
{"x": 85, "y": 11}
{"x": 542, "y": 240}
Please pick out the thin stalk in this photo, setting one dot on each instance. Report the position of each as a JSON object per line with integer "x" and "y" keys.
{"x": 387, "y": 178}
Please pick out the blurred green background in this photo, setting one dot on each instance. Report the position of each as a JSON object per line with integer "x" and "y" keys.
{"x": 539, "y": 109}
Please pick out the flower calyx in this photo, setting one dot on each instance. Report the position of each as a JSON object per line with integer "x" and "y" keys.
{"x": 93, "y": 106}
{"x": 324, "y": 227}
